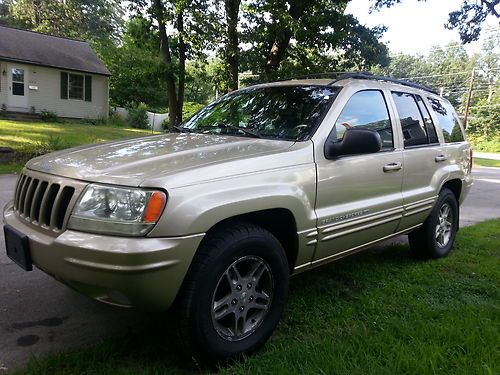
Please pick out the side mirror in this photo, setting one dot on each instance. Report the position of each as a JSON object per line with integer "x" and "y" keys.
{"x": 355, "y": 141}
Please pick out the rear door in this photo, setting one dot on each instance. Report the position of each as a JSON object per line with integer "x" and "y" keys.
{"x": 423, "y": 158}
{"x": 358, "y": 196}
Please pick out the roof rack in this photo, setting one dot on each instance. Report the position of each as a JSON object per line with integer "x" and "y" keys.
{"x": 370, "y": 76}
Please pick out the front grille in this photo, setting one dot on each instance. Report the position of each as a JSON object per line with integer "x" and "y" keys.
{"x": 42, "y": 202}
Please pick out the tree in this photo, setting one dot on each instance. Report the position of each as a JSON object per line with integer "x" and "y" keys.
{"x": 182, "y": 34}
{"x": 287, "y": 36}
{"x": 92, "y": 20}
{"x": 468, "y": 19}
{"x": 137, "y": 69}
{"x": 231, "y": 53}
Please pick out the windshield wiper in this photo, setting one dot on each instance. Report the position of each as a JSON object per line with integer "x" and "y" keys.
{"x": 181, "y": 129}
{"x": 232, "y": 127}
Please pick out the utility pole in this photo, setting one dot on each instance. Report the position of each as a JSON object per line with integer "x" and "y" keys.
{"x": 469, "y": 97}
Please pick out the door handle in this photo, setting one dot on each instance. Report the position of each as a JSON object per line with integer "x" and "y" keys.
{"x": 392, "y": 167}
{"x": 440, "y": 158}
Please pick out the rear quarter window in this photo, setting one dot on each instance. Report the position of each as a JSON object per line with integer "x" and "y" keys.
{"x": 448, "y": 120}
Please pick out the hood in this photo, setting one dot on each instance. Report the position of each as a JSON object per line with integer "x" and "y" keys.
{"x": 129, "y": 162}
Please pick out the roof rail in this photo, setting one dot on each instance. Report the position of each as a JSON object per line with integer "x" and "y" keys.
{"x": 370, "y": 76}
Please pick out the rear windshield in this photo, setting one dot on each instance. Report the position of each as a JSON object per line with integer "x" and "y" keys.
{"x": 448, "y": 119}
{"x": 279, "y": 112}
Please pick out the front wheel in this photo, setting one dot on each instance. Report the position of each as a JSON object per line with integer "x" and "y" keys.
{"x": 436, "y": 236}
{"x": 234, "y": 293}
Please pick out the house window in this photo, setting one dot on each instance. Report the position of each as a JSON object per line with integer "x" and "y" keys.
{"x": 76, "y": 86}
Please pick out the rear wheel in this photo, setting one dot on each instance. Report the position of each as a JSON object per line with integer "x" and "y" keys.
{"x": 234, "y": 293}
{"x": 436, "y": 236}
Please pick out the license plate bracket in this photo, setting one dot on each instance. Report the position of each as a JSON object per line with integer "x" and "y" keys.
{"x": 18, "y": 249}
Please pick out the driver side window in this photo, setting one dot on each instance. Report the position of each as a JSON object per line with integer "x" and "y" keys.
{"x": 366, "y": 110}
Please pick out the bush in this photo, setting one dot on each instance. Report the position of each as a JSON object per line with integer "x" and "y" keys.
{"x": 190, "y": 108}
{"x": 116, "y": 120}
{"x": 49, "y": 116}
{"x": 138, "y": 117}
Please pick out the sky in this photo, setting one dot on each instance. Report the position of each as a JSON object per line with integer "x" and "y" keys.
{"x": 414, "y": 26}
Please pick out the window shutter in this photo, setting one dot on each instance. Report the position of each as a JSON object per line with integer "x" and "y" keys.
{"x": 64, "y": 85}
{"x": 88, "y": 88}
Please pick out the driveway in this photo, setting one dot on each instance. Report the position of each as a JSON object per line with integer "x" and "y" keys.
{"x": 39, "y": 315}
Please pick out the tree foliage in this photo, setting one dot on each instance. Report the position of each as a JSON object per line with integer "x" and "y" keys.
{"x": 84, "y": 19}
{"x": 468, "y": 19}
{"x": 289, "y": 37}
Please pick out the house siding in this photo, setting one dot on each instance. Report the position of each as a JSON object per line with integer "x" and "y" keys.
{"x": 3, "y": 85}
{"x": 47, "y": 96}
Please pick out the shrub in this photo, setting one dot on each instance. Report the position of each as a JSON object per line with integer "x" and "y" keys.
{"x": 116, "y": 120}
{"x": 48, "y": 116}
{"x": 165, "y": 124}
{"x": 96, "y": 121}
{"x": 138, "y": 116}
{"x": 190, "y": 108}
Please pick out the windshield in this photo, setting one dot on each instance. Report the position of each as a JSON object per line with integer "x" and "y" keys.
{"x": 279, "y": 112}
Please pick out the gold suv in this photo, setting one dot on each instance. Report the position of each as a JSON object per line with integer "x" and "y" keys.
{"x": 268, "y": 181}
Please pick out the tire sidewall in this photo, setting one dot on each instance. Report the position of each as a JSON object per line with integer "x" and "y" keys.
{"x": 271, "y": 251}
{"x": 448, "y": 197}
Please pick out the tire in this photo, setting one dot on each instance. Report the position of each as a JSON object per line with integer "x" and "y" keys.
{"x": 436, "y": 236}
{"x": 209, "y": 334}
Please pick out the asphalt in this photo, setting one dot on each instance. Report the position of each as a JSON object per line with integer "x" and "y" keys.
{"x": 38, "y": 315}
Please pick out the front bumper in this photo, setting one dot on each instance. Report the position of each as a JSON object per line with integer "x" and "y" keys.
{"x": 145, "y": 273}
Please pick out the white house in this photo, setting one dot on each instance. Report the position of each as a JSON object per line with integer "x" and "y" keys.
{"x": 44, "y": 72}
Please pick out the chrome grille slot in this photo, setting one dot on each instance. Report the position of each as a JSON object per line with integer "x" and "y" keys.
{"x": 29, "y": 197}
{"x": 37, "y": 200}
{"x": 43, "y": 202}
{"x": 48, "y": 204}
{"x": 22, "y": 196}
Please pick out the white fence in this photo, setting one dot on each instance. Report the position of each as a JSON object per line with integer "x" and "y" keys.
{"x": 155, "y": 119}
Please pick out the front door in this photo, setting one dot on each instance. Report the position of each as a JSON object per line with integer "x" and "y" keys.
{"x": 359, "y": 197}
{"x": 18, "y": 87}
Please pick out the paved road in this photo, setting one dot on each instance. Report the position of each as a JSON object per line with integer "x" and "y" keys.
{"x": 38, "y": 315}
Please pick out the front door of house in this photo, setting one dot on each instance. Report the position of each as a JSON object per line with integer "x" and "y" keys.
{"x": 18, "y": 87}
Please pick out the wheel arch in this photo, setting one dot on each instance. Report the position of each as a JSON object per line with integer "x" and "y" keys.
{"x": 455, "y": 185}
{"x": 278, "y": 221}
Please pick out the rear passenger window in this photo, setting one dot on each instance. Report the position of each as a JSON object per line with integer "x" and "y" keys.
{"x": 429, "y": 125}
{"x": 412, "y": 123}
{"x": 448, "y": 120}
{"x": 366, "y": 110}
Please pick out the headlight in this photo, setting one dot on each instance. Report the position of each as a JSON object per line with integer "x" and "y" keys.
{"x": 114, "y": 210}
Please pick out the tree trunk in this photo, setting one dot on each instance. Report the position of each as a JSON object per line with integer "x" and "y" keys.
{"x": 37, "y": 10}
{"x": 173, "y": 113}
{"x": 182, "y": 66}
{"x": 278, "y": 48}
{"x": 276, "y": 54}
{"x": 232, "y": 8}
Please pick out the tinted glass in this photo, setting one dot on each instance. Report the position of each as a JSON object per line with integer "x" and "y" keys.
{"x": 75, "y": 86}
{"x": 17, "y": 88}
{"x": 17, "y": 75}
{"x": 411, "y": 120}
{"x": 429, "y": 125}
{"x": 286, "y": 112}
{"x": 366, "y": 110}
{"x": 448, "y": 120}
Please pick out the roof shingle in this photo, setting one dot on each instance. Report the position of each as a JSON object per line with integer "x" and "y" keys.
{"x": 47, "y": 50}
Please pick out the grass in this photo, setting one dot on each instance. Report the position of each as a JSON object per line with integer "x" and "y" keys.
{"x": 31, "y": 138}
{"x": 379, "y": 312}
{"x": 486, "y": 162}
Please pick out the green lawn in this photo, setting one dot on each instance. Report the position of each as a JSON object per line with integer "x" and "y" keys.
{"x": 379, "y": 312}
{"x": 32, "y": 138}
{"x": 486, "y": 162}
